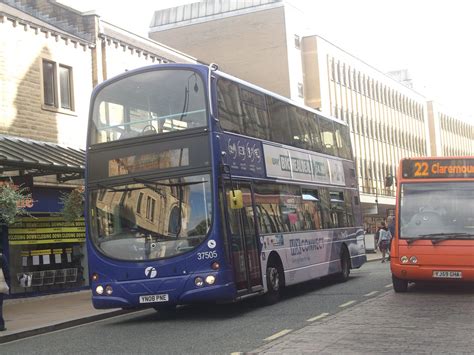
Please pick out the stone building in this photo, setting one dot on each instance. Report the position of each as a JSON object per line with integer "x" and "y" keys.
{"x": 51, "y": 57}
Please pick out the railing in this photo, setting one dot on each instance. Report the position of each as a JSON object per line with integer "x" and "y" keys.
{"x": 386, "y": 191}
{"x": 47, "y": 277}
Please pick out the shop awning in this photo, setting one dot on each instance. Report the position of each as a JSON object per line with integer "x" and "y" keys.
{"x": 41, "y": 158}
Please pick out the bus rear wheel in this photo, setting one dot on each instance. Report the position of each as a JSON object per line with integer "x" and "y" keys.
{"x": 274, "y": 284}
{"x": 399, "y": 285}
{"x": 343, "y": 276}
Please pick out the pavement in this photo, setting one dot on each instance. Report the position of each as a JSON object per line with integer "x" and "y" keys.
{"x": 398, "y": 324}
{"x": 426, "y": 321}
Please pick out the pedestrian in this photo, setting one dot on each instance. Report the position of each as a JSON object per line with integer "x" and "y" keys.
{"x": 376, "y": 237}
{"x": 6, "y": 274}
{"x": 384, "y": 239}
{"x": 391, "y": 229}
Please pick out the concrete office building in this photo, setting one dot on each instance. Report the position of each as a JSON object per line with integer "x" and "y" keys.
{"x": 265, "y": 42}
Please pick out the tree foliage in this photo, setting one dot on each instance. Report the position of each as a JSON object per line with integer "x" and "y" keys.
{"x": 11, "y": 206}
{"x": 73, "y": 204}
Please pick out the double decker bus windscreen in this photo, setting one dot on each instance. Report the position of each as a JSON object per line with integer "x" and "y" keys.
{"x": 151, "y": 102}
{"x": 151, "y": 219}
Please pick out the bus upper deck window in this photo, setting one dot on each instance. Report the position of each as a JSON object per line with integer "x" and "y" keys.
{"x": 151, "y": 102}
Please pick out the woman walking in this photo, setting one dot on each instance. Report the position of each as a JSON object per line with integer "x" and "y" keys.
{"x": 384, "y": 240}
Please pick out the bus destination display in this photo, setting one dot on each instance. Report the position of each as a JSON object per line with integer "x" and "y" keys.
{"x": 438, "y": 168}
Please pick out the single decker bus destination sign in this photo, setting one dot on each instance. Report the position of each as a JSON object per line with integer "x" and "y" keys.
{"x": 438, "y": 168}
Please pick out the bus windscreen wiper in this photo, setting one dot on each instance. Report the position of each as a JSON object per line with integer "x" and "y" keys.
{"x": 451, "y": 236}
{"x": 439, "y": 237}
{"x": 125, "y": 189}
{"x": 414, "y": 239}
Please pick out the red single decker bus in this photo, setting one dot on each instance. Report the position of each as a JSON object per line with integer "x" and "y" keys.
{"x": 434, "y": 231}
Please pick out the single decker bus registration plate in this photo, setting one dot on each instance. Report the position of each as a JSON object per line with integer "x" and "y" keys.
{"x": 447, "y": 274}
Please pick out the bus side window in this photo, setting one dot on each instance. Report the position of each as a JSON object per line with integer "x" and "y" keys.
{"x": 256, "y": 122}
{"x": 266, "y": 223}
{"x": 327, "y": 136}
{"x": 279, "y": 121}
{"x": 338, "y": 209}
{"x": 325, "y": 208}
{"x": 299, "y": 134}
{"x": 312, "y": 127}
{"x": 229, "y": 109}
{"x": 267, "y": 202}
{"x": 349, "y": 209}
{"x": 343, "y": 140}
{"x": 290, "y": 208}
{"x": 311, "y": 210}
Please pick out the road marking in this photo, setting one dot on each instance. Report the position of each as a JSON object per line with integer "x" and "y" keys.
{"x": 237, "y": 353}
{"x": 371, "y": 293}
{"x": 277, "y": 335}
{"x": 388, "y": 286}
{"x": 347, "y": 304}
{"x": 322, "y": 315}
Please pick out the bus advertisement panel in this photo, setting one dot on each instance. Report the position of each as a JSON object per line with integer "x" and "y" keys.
{"x": 191, "y": 196}
{"x": 434, "y": 239}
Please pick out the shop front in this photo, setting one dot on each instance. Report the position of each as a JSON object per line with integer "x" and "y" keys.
{"x": 46, "y": 253}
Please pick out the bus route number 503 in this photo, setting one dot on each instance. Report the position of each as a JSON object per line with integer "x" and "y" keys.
{"x": 207, "y": 255}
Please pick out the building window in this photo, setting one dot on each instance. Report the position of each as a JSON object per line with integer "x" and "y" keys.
{"x": 300, "y": 90}
{"x": 65, "y": 87}
{"x": 333, "y": 69}
{"x": 139, "y": 203}
{"x": 344, "y": 79}
{"x": 297, "y": 42}
{"x": 57, "y": 85}
{"x": 150, "y": 208}
{"x": 49, "y": 84}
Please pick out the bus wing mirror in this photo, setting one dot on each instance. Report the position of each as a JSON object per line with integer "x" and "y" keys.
{"x": 235, "y": 199}
{"x": 389, "y": 181}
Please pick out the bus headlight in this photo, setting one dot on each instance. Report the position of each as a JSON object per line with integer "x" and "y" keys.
{"x": 404, "y": 259}
{"x": 198, "y": 281}
{"x": 210, "y": 279}
{"x": 99, "y": 290}
{"x": 108, "y": 290}
{"x": 413, "y": 259}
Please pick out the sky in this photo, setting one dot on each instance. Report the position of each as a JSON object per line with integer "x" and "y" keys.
{"x": 432, "y": 39}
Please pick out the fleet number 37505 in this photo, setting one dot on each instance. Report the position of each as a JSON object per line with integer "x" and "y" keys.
{"x": 207, "y": 255}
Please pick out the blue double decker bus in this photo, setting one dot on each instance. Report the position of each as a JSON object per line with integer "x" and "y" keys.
{"x": 202, "y": 187}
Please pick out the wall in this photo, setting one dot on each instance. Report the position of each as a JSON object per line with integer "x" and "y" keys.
{"x": 239, "y": 45}
{"x": 24, "y": 45}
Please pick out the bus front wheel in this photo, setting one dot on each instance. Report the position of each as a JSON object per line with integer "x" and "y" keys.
{"x": 274, "y": 284}
{"x": 399, "y": 285}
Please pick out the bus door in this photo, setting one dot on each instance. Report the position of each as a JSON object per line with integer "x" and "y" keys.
{"x": 243, "y": 242}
